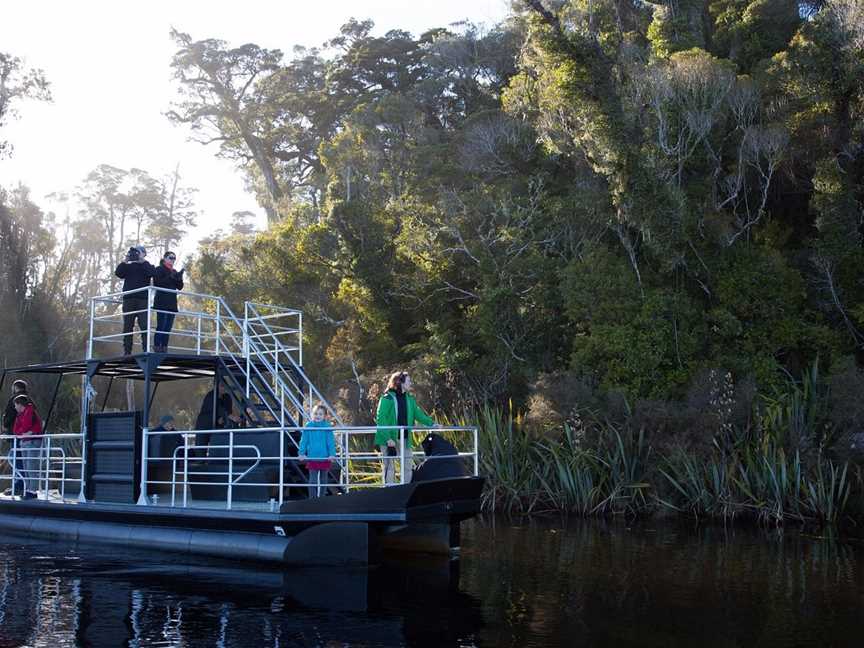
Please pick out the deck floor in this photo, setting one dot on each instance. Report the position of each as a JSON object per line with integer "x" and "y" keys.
{"x": 162, "y": 502}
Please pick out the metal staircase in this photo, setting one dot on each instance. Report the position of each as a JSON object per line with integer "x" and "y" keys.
{"x": 258, "y": 357}
{"x": 264, "y": 375}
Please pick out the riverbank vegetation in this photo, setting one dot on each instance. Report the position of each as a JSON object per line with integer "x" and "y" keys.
{"x": 638, "y": 225}
{"x": 791, "y": 464}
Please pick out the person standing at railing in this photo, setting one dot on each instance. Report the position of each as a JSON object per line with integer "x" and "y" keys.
{"x": 318, "y": 450}
{"x": 136, "y": 272}
{"x": 165, "y": 303}
{"x": 398, "y": 407}
{"x": 10, "y": 414}
{"x": 28, "y": 429}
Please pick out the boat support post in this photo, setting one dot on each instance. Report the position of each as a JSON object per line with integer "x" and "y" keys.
{"x": 147, "y": 365}
{"x": 92, "y": 369}
{"x": 107, "y": 393}
{"x": 53, "y": 402}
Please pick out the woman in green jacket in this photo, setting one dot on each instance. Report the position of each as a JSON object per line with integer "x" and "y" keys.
{"x": 398, "y": 407}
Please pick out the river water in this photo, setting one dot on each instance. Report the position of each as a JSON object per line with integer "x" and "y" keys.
{"x": 534, "y": 583}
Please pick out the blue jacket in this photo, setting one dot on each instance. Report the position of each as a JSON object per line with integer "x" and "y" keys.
{"x": 317, "y": 441}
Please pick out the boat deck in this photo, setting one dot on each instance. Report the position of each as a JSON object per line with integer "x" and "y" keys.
{"x": 401, "y": 503}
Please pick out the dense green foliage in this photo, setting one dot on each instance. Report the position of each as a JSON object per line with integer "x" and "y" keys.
{"x": 652, "y": 210}
{"x": 634, "y": 194}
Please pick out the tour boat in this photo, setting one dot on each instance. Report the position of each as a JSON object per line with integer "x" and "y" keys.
{"x": 237, "y": 491}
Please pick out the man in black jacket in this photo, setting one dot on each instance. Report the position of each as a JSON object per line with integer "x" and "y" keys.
{"x": 136, "y": 272}
{"x": 18, "y": 387}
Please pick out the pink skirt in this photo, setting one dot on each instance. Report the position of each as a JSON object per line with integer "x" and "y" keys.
{"x": 318, "y": 465}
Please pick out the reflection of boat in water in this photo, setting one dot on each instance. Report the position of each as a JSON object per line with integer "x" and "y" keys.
{"x": 130, "y": 599}
{"x": 238, "y": 489}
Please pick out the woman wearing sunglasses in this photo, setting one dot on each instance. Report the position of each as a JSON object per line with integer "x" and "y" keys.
{"x": 165, "y": 303}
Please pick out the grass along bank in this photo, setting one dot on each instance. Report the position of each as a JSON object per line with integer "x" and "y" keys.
{"x": 601, "y": 468}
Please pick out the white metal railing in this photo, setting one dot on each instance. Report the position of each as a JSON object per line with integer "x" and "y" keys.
{"x": 197, "y": 475}
{"x": 56, "y": 459}
{"x": 284, "y": 363}
{"x": 265, "y": 347}
{"x": 198, "y": 327}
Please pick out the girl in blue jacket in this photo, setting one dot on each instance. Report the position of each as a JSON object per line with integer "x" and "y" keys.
{"x": 318, "y": 450}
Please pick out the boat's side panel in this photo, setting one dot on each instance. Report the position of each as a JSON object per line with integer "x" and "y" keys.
{"x": 324, "y": 544}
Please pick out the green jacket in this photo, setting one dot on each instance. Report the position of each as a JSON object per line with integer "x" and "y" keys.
{"x": 387, "y": 416}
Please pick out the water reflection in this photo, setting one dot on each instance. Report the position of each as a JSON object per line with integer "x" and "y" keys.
{"x": 610, "y": 584}
{"x": 56, "y": 596}
{"x": 532, "y": 584}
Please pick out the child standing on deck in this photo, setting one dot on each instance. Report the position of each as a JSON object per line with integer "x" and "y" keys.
{"x": 318, "y": 450}
{"x": 28, "y": 429}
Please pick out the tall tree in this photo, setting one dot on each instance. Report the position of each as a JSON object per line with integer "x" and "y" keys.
{"x": 18, "y": 82}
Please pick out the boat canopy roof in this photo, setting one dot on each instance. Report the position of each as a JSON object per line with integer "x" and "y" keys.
{"x": 162, "y": 368}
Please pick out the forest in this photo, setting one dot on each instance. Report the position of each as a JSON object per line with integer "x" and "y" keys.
{"x": 600, "y": 226}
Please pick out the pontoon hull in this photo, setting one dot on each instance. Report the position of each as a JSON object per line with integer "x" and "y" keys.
{"x": 352, "y": 528}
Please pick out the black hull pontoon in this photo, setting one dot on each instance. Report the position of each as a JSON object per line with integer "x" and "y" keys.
{"x": 354, "y": 528}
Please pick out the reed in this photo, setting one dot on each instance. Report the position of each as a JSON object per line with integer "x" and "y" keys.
{"x": 616, "y": 472}
{"x": 765, "y": 484}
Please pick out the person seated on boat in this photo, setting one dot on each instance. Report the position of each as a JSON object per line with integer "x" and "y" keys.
{"x": 442, "y": 460}
{"x": 213, "y": 414}
{"x": 318, "y": 450}
{"x": 398, "y": 407}
{"x": 136, "y": 272}
{"x": 163, "y": 445}
{"x": 165, "y": 303}
{"x": 224, "y": 419}
{"x": 28, "y": 430}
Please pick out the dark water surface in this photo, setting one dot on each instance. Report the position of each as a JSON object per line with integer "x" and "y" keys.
{"x": 542, "y": 583}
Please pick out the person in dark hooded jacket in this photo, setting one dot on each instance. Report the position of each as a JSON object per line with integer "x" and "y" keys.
{"x": 136, "y": 272}
{"x": 10, "y": 413}
{"x": 165, "y": 303}
{"x": 442, "y": 460}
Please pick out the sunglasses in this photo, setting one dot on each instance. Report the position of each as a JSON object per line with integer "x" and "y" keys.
{"x": 171, "y": 258}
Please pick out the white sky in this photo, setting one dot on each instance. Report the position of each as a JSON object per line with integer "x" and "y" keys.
{"x": 108, "y": 64}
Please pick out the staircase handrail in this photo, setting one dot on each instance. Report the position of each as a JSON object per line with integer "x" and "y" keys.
{"x": 299, "y": 369}
{"x": 271, "y": 368}
{"x": 240, "y": 366}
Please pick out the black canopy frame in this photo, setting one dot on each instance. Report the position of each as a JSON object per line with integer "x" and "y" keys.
{"x": 150, "y": 368}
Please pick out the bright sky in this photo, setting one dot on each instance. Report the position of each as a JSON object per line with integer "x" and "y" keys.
{"x": 108, "y": 64}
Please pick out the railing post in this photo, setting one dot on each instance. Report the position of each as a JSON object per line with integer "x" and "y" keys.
{"x": 218, "y": 323}
{"x": 63, "y": 479}
{"x": 230, "y": 466}
{"x": 198, "y": 337}
{"x": 149, "y": 323}
{"x": 402, "y": 455}
{"x": 92, "y": 315}
{"x": 47, "y": 465}
{"x": 476, "y": 453}
{"x": 142, "y": 498}
{"x": 281, "y": 464}
{"x": 15, "y": 465}
{"x": 300, "y": 342}
{"x": 345, "y": 457}
{"x": 85, "y": 409}
{"x": 185, "y": 468}
{"x": 246, "y": 353}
